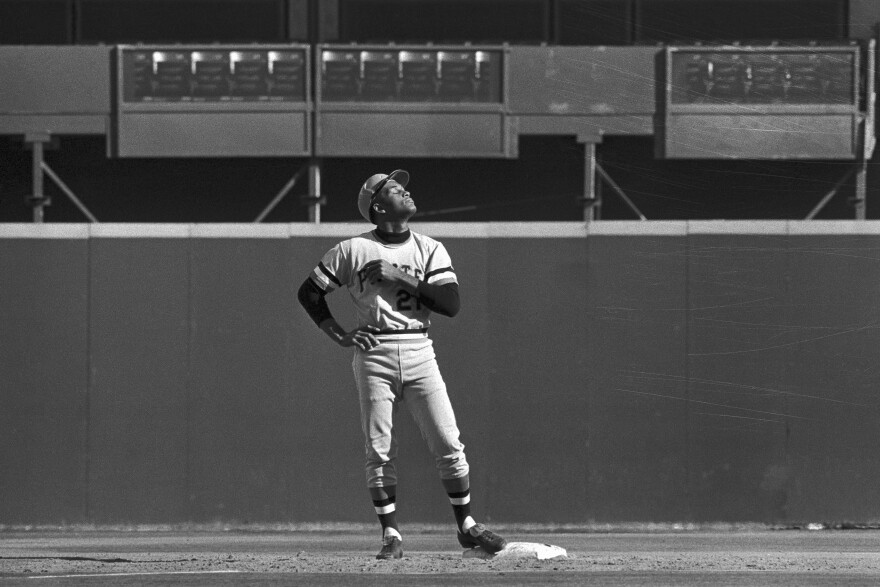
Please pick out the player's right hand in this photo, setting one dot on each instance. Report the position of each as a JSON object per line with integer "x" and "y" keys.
{"x": 363, "y": 337}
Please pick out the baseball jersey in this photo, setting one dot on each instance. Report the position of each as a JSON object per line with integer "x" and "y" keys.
{"x": 397, "y": 313}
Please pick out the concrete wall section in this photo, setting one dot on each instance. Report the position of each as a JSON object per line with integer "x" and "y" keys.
{"x": 55, "y": 80}
{"x": 582, "y": 80}
{"x": 863, "y": 18}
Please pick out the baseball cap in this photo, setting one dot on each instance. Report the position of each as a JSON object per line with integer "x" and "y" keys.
{"x": 374, "y": 184}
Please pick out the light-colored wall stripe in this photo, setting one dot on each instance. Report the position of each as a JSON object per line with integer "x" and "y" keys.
{"x": 484, "y": 230}
{"x": 767, "y": 227}
{"x": 140, "y": 230}
{"x": 834, "y": 227}
{"x": 638, "y": 228}
{"x": 240, "y": 231}
{"x": 334, "y": 229}
{"x": 44, "y": 230}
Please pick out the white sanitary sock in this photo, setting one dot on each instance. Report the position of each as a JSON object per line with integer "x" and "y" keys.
{"x": 391, "y": 532}
{"x": 467, "y": 524}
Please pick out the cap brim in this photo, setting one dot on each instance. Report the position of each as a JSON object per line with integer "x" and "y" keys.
{"x": 400, "y": 176}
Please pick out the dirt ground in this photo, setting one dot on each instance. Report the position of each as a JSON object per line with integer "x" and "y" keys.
{"x": 346, "y": 556}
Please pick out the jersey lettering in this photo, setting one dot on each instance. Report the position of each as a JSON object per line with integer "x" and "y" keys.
{"x": 409, "y": 270}
{"x": 362, "y": 278}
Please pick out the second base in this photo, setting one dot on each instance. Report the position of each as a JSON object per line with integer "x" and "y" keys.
{"x": 533, "y": 550}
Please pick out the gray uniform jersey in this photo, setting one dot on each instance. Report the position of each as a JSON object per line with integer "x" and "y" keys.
{"x": 397, "y": 313}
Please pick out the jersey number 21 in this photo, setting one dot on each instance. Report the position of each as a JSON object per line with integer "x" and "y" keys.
{"x": 405, "y": 301}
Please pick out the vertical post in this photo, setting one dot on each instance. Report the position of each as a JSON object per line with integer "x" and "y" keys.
{"x": 590, "y": 198}
{"x": 37, "y": 171}
{"x": 861, "y": 189}
{"x": 314, "y": 191}
{"x": 869, "y": 138}
{"x": 37, "y": 199}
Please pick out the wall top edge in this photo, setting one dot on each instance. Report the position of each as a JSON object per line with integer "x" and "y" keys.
{"x": 481, "y": 230}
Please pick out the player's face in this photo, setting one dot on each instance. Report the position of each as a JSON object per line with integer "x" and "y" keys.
{"x": 396, "y": 201}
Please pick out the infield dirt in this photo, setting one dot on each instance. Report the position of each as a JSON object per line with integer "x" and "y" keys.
{"x": 825, "y": 556}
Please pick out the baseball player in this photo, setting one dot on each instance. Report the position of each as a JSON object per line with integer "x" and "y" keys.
{"x": 396, "y": 278}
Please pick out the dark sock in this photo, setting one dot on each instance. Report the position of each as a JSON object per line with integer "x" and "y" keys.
{"x": 459, "y": 509}
{"x": 459, "y": 493}
{"x": 384, "y": 503}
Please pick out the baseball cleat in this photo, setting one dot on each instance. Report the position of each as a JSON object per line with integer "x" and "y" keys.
{"x": 479, "y": 536}
{"x": 392, "y": 548}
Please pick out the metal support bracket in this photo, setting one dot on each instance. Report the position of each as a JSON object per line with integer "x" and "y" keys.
{"x": 619, "y": 191}
{"x": 37, "y": 199}
{"x": 68, "y": 192}
{"x": 313, "y": 199}
{"x": 832, "y": 192}
{"x": 280, "y": 195}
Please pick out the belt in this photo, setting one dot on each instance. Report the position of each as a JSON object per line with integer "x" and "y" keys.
{"x": 402, "y": 334}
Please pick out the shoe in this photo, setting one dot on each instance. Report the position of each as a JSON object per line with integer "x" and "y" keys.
{"x": 479, "y": 536}
{"x": 391, "y": 549}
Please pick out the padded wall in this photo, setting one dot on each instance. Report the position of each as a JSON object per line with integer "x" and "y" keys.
{"x": 44, "y": 380}
{"x": 638, "y": 408}
{"x": 139, "y": 362}
{"x": 621, "y": 372}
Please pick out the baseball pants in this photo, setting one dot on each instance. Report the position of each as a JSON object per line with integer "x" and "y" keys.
{"x": 405, "y": 372}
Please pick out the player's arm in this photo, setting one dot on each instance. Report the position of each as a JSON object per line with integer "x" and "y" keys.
{"x": 312, "y": 299}
{"x": 442, "y": 299}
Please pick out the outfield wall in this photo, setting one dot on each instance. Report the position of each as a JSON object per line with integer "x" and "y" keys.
{"x": 617, "y": 371}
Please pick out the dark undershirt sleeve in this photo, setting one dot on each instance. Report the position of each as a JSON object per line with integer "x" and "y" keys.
{"x": 311, "y": 297}
{"x": 443, "y": 299}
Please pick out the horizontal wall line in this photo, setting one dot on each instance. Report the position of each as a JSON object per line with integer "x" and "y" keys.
{"x": 485, "y": 230}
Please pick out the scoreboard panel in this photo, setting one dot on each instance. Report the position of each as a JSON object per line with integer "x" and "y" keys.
{"x": 213, "y": 101}
{"x": 412, "y": 101}
{"x": 762, "y": 102}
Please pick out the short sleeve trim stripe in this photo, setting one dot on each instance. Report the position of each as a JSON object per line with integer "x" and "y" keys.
{"x": 430, "y": 274}
{"x": 445, "y": 280}
{"x": 314, "y": 279}
{"x": 329, "y": 275}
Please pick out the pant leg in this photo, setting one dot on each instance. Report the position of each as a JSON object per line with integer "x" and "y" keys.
{"x": 378, "y": 384}
{"x": 424, "y": 393}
